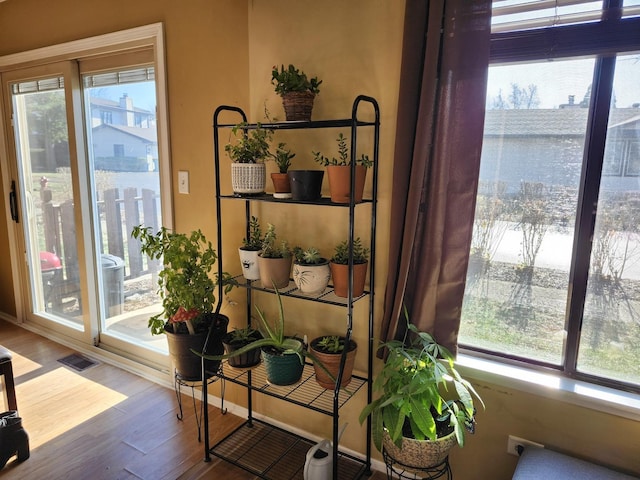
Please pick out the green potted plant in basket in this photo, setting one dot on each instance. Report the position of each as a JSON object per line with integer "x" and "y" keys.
{"x": 248, "y": 152}
{"x": 298, "y": 91}
{"x": 339, "y": 265}
{"x": 188, "y": 296}
{"x": 248, "y": 251}
{"x": 311, "y": 271}
{"x": 339, "y": 172}
{"x": 328, "y": 349}
{"x": 425, "y": 406}
{"x": 274, "y": 260}
{"x": 280, "y": 179}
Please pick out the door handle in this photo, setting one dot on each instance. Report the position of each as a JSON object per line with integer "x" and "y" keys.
{"x": 13, "y": 203}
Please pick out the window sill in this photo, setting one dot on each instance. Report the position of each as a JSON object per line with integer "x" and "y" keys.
{"x": 588, "y": 395}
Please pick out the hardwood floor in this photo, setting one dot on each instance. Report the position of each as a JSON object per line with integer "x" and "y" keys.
{"x": 103, "y": 422}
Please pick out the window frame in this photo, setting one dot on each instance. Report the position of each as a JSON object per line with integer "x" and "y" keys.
{"x": 603, "y": 40}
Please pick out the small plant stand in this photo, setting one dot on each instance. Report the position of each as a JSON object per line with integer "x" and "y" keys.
{"x": 179, "y": 382}
{"x": 396, "y": 469}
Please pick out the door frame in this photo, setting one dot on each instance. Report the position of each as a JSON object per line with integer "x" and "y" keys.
{"x": 123, "y": 41}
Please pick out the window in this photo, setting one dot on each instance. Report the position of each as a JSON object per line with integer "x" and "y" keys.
{"x": 554, "y": 267}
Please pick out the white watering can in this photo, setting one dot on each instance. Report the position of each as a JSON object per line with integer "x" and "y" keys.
{"x": 319, "y": 461}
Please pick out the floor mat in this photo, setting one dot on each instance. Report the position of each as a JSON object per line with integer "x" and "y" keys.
{"x": 78, "y": 362}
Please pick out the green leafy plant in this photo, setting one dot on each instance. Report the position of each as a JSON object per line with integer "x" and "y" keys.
{"x": 273, "y": 334}
{"x": 309, "y": 256}
{"x": 330, "y": 344}
{"x": 282, "y": 157}
{"x": 422, "y": 394}
{"x": 243, "y": 335}
{"x": 184, "y": 284}
{"x": 343, "y": 155}
{"x": 292, "y": 79}
{"x": 255, "y": 239}
{"x": 271, "y": 248}
{"x": 251, "y": 145}
{"x": 341, "y": 252}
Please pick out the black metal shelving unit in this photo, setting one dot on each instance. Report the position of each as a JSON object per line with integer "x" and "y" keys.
{"x": 256, "y": 446}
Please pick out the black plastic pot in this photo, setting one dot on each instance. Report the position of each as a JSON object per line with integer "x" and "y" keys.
{"x": 306, "y": 185}
{"x": 188, "y": 365}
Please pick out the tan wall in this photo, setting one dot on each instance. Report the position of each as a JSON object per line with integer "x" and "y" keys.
{"x": 222, "y": 52}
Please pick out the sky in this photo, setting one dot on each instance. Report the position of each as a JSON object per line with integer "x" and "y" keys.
{"x": 556, "y": 80}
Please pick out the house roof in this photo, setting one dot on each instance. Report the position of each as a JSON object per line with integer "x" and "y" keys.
{"x": 548, "y": 122}
{"x": 103, "y": 102}
{"x": 148, "y": 135}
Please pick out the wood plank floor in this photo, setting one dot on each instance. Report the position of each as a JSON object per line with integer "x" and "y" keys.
{"x": 103, "y": 422}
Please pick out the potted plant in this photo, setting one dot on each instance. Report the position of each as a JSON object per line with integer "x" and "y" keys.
{"x": 274, "y": 260}
{"x": 298, "y": 92}
{"x": 248, "y": 152}
{"x": 328, "y": 349}
{"x": 238, "y": 338}
{"x": 311, "y": 271}
{"x": 339, "y": 265}
{"x": 424, "y": 407}
{"x": 187, "y": 292}
{"x": 306, "y": 185}
{"x": 280, "y": 179}
{"x": 282, "y": 355}
{"x": 339, "y": 172}
{"x": 248, "y": 252}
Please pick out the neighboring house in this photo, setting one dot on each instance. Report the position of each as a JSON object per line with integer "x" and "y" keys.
{"x": 123, "y": 148}
{"x": 124, "y": 137}
{"x": 121, "y": 112}
{"x": 522, "y": 145}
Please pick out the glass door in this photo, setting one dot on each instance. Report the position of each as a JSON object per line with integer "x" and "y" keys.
{"x": 55, "y": 282}
{"x": 87, "y": 169}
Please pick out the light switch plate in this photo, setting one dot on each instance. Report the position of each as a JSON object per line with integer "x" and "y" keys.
{"x": 183, "y": 181}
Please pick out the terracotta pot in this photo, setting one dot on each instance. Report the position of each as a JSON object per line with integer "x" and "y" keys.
{"x": 331, "y": 362}
{"x": 188, "y": 365}
{"x": 274, "y": 270}
{"x": 340, "y": 275}
{"x": 281, "y": 185}
{"x": 312, "y": 279}
{"x": 340, "y": 183}
{"x": 306, "y": 185}
{"x": 249, "y": 263}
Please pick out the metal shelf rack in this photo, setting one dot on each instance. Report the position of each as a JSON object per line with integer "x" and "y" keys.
{"x": 283, "y": 455}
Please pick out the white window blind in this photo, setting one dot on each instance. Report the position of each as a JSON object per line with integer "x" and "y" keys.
{"x": 514, "y": 15}
{"x": 53, "y": 83}
{"x": 119, "y": 77}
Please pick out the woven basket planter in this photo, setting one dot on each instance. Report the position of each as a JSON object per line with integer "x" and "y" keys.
{"x": 298, "y": 106}
{"x": 417, "y": 455}
{"x": 248, "y": 178}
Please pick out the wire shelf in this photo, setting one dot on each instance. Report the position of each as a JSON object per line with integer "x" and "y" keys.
{"x": 306, "y": 392}
{"x": 273, "y": 453}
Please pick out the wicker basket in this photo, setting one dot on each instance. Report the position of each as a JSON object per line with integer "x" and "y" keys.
{"x": 417, "y": 455}
{"x": 248, "y": 178}
{"x": 298, "y": 106}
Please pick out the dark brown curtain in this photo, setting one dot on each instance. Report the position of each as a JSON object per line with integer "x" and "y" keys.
{"x": 436, "y": 164}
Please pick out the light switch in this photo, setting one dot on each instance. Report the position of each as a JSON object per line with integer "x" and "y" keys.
{"x": 183, "y": 181}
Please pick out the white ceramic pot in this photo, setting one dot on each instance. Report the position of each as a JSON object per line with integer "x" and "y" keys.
{"x": 249, "y": 263}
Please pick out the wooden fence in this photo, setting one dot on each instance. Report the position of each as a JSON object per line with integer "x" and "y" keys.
{"x": 117, "y": 217}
